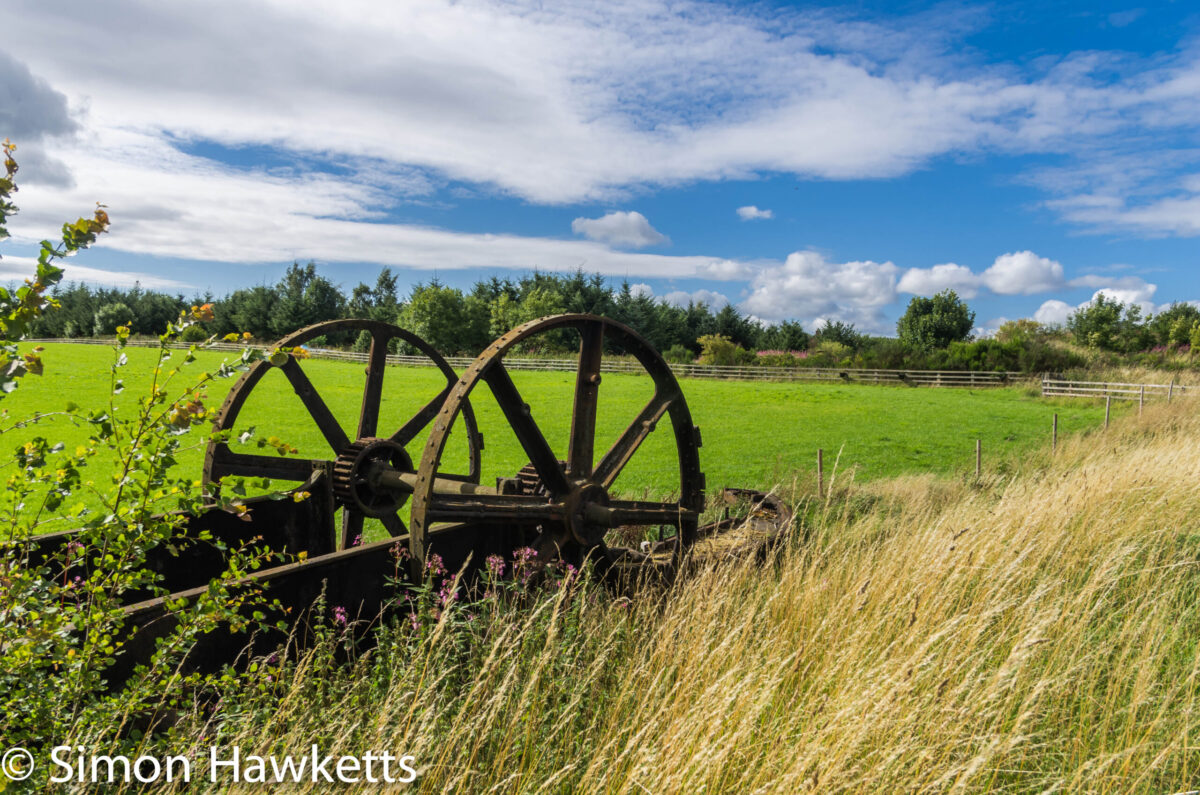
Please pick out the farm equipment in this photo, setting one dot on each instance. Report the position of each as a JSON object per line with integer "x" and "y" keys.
{"x": 566, "y": 510}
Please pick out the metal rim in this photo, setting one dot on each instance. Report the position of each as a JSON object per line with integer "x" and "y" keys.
{"x": 575, "y": 504}
{"x": 220, "y": 460}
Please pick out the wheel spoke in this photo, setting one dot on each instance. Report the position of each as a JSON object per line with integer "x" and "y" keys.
{"x": 421, "y": 418}
{"x": 368, "y": 418}
{"x": 320, "y": 412}
{"x": 638, "y": 512}
{"x": 494, "y": 509}
{"x": 352, "y": 527}
{"x": 619, "y": 454}
{"x": 516, "y": 411}
{"x": 395, "y": 525}
{"x": 227, "y": 462}
{"x": 587, "y": 388}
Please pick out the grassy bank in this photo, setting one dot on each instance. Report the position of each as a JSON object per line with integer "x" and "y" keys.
{"x": 1028, "y": 634}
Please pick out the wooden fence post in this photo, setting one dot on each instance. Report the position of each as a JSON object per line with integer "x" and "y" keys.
{"x": 1141, "y": 398}
{"x": 1107, "y": 409}
{"x": 820, "y": 472}
{"x": 1054, "y": 434}
{"x": 1170, "y": 390}
{"x": 978, "y": 456}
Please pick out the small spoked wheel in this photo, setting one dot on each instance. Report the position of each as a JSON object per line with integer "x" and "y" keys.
{"x": 567, "y": 506}
{"x": 354, "y": 460}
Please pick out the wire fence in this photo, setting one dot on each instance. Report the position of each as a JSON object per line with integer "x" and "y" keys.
{"x": 935, "y": 378}
{"x": 1054, "y": 387}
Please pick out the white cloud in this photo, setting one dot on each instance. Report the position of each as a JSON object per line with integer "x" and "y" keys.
{"x": 1053, "y": 312}
{"x": 1176, "y": 215}
{"x": 709, "y": 298}
{"x": 1139, "y": 296}
{"x": 1132, "y": 291}
{"x": 928, "y": 281}
{"x": 752, "y": 213}
{"x": 20, "y": 268}
{"x": 567, "y": 102}
{"x": 641, "y": 289}
{"x": 1023, "y": 273}
{"x": 626, "y": 229}
{"x": 165, "y": 203}
{"x": 808, "y": 287}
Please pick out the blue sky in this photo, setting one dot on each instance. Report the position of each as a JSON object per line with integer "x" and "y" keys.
{"x": 801, "y": 161}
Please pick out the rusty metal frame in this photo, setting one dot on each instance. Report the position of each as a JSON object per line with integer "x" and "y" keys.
{"x": 575, "y": 507}
{"x": 220, "y": 460}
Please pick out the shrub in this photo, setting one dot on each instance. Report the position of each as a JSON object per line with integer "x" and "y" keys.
{"x": 678, "y": 354}
{"x": 194, "y": 333}
{"x": 721, "y": 351}
{"x": 61, "y": 619}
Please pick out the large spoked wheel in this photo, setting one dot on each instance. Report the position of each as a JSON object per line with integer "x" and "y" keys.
{"x": 571, "y": 509}
{"x": 352, "y": 459}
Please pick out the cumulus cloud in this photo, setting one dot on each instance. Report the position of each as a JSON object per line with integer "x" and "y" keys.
{"x": 1141, "y": 297}
{"x": 30, "y": 112}
{"x": 1053, "y": 312}
{"x": 1131, "y": 291}
{"x": 1019, "y": 273}
{"x": 626, "y": 229}
{"x": 1023, "y": 273}
{"x": 752, "y": 213}
{"x": 928, "y": 281}
{"x": 810, "y": 288}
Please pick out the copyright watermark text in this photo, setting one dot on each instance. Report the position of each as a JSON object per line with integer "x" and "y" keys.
{"x": 76, "y": 764}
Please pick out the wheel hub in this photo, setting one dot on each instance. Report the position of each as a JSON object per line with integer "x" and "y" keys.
{"x": 587, "y": 512}
{"x": 355, "y": 471}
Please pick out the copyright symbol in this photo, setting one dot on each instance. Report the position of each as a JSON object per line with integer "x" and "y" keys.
{"x": 17, "y": 764}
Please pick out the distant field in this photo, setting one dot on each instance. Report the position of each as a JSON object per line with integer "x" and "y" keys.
{"x": 755, "y": 434}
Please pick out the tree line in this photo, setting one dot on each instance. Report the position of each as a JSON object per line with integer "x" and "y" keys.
{"x": 934, "y": 332}
{"x": 453, "y": 321}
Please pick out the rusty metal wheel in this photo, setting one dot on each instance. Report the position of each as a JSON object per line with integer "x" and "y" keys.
{"x": 354, "y": 457}
{"x": 572, "y": 508}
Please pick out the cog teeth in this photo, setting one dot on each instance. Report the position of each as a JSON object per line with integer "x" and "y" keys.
{"x": 345, "y": 469}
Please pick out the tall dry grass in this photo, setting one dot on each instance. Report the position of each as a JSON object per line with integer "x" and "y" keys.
{"x": 1033, "y": 633}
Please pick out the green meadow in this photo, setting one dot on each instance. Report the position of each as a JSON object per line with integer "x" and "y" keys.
{"x": 755, "y": 434}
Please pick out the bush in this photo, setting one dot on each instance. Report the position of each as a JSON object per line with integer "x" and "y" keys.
{"x": 108, "y": 317}
{"x": 61, "y": 619}
{"x": 678, "y": 354}
{"x": 721, "y": 351}
{"x": 936, "y": 322}
{"x": 194, "y": 333}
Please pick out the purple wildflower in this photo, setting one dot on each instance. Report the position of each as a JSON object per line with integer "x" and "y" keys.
{"x": 357, "y": 540}
{"x": 447, "y": 595}
{"x": 495, "y": 566}
{"x": 434, "y": 564}
{"x": 339, "y": 616}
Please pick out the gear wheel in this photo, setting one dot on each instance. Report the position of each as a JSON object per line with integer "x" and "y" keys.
{"x": 351, "y": 476}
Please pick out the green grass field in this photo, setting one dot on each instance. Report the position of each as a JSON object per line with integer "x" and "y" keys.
{"x": 756, "y": 434}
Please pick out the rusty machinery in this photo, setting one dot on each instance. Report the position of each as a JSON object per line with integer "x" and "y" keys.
{"x": 565, "y": 509}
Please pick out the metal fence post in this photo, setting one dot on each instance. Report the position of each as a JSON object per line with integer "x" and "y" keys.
{"x": 820, "y": 472}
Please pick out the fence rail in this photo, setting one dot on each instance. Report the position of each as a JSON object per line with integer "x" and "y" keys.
{"x": 1053, "y": 387}
{"x": 943, "y": 378}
